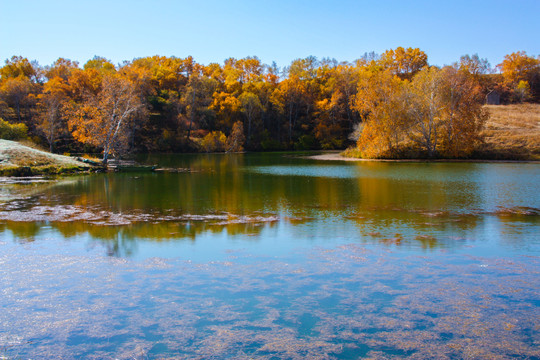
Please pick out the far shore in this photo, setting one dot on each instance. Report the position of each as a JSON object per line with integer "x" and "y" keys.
{"x": 336, "y": 156}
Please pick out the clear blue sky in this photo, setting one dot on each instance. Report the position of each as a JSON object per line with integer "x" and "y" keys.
{"x": 278, "y": 30}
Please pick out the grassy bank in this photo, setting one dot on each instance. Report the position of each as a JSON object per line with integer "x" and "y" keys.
{"x": 512, "y": 132}
{"x": 17, "y": 159}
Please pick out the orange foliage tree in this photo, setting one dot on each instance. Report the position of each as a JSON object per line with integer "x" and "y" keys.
{"x": 521, "y": 74}
{"x": 402, "y": 62}
{"x": 103, "y": 119}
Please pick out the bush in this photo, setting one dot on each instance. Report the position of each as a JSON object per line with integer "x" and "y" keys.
{"x": 12, "y": 131}
{"x": 214, "y": 142}
{"x": 268, "y": 143}
{"x": 306, "y": 142}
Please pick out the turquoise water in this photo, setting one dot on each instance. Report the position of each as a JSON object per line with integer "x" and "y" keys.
{"x": 273, "y": 256}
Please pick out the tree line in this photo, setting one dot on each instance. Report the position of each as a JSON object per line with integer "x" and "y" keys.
{"x": 390, "y": 105}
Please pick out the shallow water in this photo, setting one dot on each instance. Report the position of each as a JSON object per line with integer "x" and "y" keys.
{"x": 273, "y": 256}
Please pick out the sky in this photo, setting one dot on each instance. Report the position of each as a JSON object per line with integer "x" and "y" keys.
{"x": 277, "y": 30}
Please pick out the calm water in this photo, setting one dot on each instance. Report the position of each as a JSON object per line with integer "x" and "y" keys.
{"x": 273, "y": 256}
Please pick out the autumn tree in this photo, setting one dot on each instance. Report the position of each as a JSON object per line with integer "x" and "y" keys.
{"x": 425, "y": 104}
{"x": 474, "y": 65}
{"x": 101, "y": 65}
{"x": 334, "y": 113}
{"x": 235, "y": 141}
{"x": 327, "y": 129}
{"x": 522, "y": 91}
{"x": 251, "y": 106}
{"x": 289, "y": 97}
{"x": 306, "y": 71}
{"x": 12, "y": 131}
{"x": 380, "y": 100}
{"x": 19, "y": 66}
{"x": 228, "y": 109}
{"x": 18, "y": 88}
{"x": 214, "y": 141}
{"x": 437, "y": 113}
{"x": 462, "y": 113}
{"x": 518, "y": 68}
{"x": 446, "y": 112}
{"x": 61, "y": 68}
{"x": 18, "y": 93}
{"x": 197, "y": 99}
{"x": 103, "y": 119}
{"x": 402, "y": 62}
{"x": 51, "y": 103}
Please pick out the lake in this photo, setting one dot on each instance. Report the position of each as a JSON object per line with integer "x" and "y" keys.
{"x": 273, "y": 256}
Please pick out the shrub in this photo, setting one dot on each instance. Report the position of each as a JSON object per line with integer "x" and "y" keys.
{"x": 214, "y": 142}
{"x": 306, "y": 142}
{"x": 12, "y": 131}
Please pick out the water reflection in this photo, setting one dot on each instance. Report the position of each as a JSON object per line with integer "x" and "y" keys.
{"x": 418, "y": 205}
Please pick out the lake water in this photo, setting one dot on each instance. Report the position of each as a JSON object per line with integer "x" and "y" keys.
{"x": 273, "y": 256}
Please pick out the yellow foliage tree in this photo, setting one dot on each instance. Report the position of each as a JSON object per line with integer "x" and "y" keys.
{"x": 214, "y": 141}
{"x": 380, "y": 100}
{"x": 518, "y": 66}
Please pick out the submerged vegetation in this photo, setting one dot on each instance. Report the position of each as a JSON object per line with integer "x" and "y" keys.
{"x": 349, "y": 302}
{"x": 395, "y": 104}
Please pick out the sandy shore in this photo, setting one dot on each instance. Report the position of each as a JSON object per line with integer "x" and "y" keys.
{"x": 336, "y": 156}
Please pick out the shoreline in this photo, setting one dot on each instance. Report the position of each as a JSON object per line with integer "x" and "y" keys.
{"x": 331, "y": 156}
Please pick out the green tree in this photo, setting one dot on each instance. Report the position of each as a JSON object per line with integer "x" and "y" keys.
{"x": 197, "y": 99}
{"x": 251, "y": 106}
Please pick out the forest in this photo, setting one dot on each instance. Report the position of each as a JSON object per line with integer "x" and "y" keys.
{"x": 389, "y": 105}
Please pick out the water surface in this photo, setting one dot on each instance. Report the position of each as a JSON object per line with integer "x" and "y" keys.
{"x": 273, "y": 256}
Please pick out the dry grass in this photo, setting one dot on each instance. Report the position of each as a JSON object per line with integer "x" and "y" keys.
{"x": 513, "y": 131}
{"x": 19, "y": 159}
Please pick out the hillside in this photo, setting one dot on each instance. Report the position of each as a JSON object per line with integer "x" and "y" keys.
{"x": 20, "y": 160}
{"x": 513, "y": 132}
